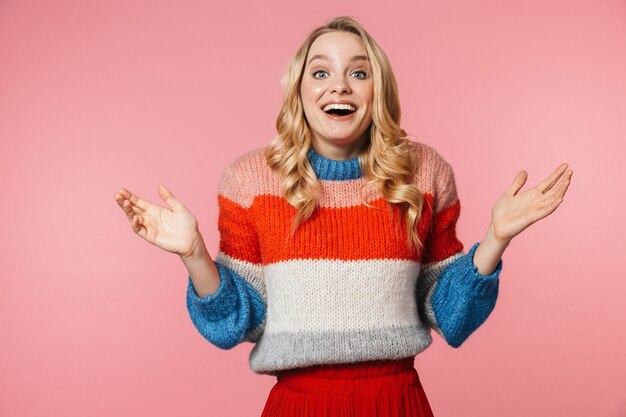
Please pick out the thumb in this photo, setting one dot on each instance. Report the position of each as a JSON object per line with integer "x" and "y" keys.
{"x": 518, "y": 182}
{"x": 169, "y": 198}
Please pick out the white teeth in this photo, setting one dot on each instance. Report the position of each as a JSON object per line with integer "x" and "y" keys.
{"x": 339, "y": 107}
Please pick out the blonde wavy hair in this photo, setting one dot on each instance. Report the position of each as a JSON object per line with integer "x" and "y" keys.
{"x": 388, "y": 163}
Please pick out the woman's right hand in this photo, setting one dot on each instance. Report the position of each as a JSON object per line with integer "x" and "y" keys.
{"x": 174, "y": 229}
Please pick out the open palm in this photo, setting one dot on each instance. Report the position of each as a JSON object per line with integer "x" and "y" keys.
{"x": 513, "y": 212}
{"x": 173, "y": 229}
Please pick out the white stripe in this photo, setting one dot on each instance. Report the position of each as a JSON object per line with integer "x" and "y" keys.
{"x": 327, "y": 295}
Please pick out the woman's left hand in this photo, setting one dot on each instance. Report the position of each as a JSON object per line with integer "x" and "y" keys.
{"x": 514, "y": 212}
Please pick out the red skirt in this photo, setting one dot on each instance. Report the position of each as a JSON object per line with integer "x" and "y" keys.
{"x": 388, "y": 388}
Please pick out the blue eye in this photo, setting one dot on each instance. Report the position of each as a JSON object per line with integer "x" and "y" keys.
{"x": 363, "y": 74}
{"x": 317, "y": 72}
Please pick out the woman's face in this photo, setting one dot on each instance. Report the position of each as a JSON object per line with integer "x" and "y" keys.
{"x": 337, "y": 90}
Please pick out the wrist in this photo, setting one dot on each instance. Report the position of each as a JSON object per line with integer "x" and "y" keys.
{"x": 196, "y": 253}
{"x": 491, "y": 235}
{"x": 489, "y": 252}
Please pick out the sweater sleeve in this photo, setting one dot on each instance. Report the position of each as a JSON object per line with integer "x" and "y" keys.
{"x": 454, "y": 299}
{"x": 236, "y": 311}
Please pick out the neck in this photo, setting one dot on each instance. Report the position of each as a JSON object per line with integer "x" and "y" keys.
{"x": 336, "y": 152}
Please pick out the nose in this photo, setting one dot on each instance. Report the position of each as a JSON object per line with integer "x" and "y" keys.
{"x": 340, "y": 86}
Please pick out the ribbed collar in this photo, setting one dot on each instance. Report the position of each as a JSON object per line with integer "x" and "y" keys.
{"x": 332, "y": 169}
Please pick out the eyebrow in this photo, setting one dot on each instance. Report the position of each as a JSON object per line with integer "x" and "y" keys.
{"x": 324, "y": 57}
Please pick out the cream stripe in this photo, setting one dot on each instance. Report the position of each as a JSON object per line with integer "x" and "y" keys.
{"x": 335, "y": 295}
{"x": 252, "y": 273}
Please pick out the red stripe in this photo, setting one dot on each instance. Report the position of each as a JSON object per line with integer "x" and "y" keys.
{"x": 443, "y": 241}
{"x": 347, "y": 233}
{"x": 238, "y": 237}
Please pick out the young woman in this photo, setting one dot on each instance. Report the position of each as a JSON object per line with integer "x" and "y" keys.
{"x": 338, "y": 249}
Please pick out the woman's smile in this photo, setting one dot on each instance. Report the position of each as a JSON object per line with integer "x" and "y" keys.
{"x": 342, "y": 110}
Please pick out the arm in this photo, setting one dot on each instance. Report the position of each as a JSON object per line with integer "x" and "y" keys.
{"x": 454, "y": 297}
{"x": 202, "y": 270}
{"x": 463, "y": 298}
{"x": 458, "y": 292}
{"x": 489, "y": 252}
{"x": 229, "y": 307}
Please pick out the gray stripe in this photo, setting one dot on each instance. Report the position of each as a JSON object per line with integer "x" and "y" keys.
{"x": 281, "y": 351}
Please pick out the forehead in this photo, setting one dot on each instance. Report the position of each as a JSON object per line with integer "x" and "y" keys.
{"x": 337, "y": 44}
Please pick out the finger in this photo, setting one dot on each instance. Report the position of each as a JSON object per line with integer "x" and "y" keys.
{"x": 135, "y": 199}
{"x": 567, "y": 179}
{"x": 129, "y": 209}
{"x": 550, "y": 206}
{"x": 549, "y": 182}
{"x": 120, "y": 198}
{"x": 169, "y": 198}
{"x": 138, "y": 227}
{"x": 546, "y": 206}
{"x": 561, "y": 188}
{"x": 518, "y": 183}
{"x": 126, "y": 204}
{"x": 122, "y": 202}
{"x": 123, "y": 194}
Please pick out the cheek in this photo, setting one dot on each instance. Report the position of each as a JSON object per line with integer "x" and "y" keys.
{"x": 369, "y": 99}
{"x": 370, "y": 96}
{"x": 312, "y": 90}
{"x": 307, "y": 104}
{"x": 307, "y": 93}
{"x": 367, "y": 95}
{"x": 367, "y": 119}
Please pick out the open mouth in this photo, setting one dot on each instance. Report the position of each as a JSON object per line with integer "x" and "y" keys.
{"x": 339, "y": 110}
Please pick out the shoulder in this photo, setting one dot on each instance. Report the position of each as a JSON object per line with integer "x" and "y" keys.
{"x": 243, "y": 177}
{"x": 429, "y": 157}
{"x": 249, "y": 162}
{"x": 434, "y": 174}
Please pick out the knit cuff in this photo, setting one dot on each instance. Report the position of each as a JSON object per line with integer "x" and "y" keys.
{"x": 223, "y": 302}
{"x": 474, "y": 269}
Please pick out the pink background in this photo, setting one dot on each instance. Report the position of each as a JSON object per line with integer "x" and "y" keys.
{"x": 98, "y": 95}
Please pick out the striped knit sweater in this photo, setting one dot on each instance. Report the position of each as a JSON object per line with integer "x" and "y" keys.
{"x": 347, "y": 288}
